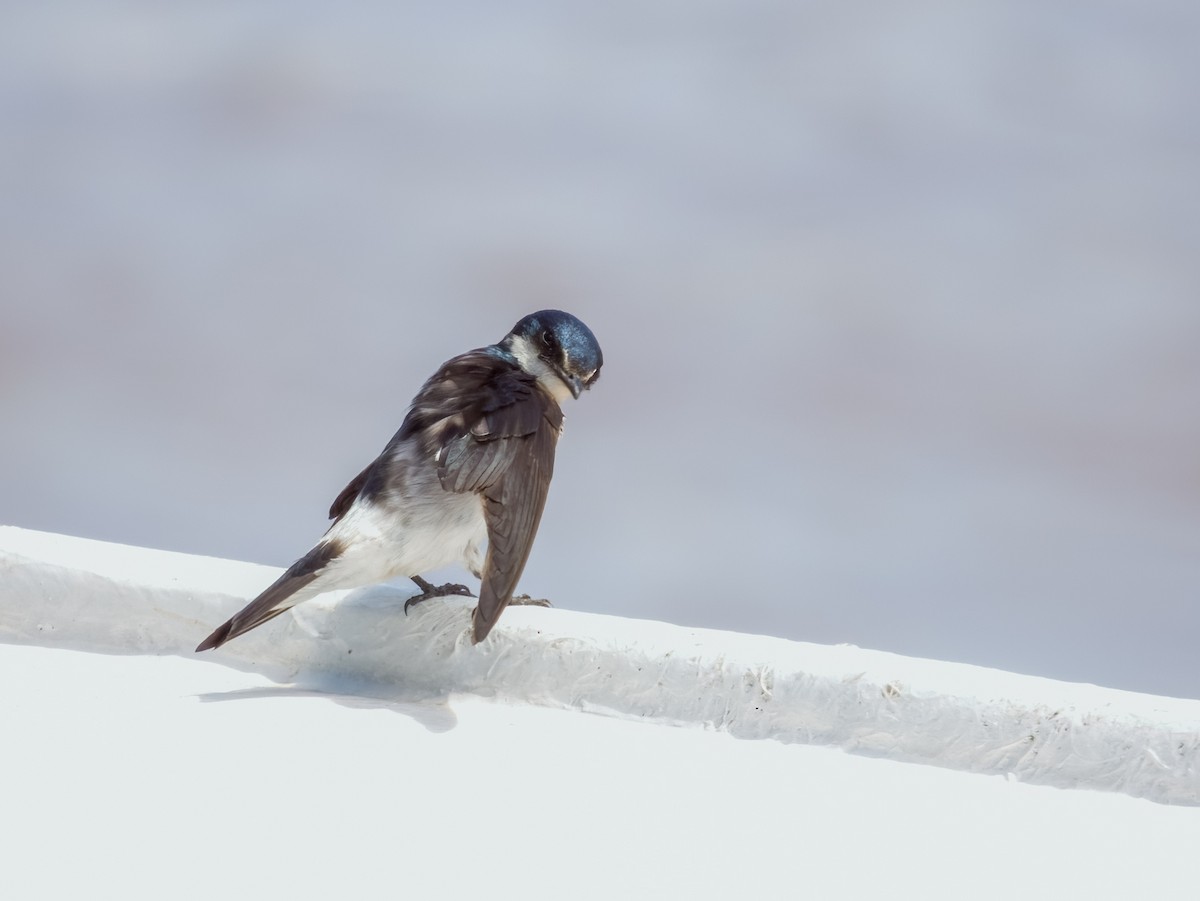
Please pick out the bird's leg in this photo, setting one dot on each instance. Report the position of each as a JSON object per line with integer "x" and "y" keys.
{"x": 435, "y": 591}
{"x": 524, "y": 600}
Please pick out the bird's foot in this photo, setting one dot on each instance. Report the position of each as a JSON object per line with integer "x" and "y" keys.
{"x": 524, "y": 600}
{"x": 435, "y": 591}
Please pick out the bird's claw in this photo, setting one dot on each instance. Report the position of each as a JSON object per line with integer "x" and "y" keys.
{"x": 436, "y": 591}
{"x": 524, "y": 600}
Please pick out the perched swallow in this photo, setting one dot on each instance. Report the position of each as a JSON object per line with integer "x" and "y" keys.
{"x": 470, "y": 466}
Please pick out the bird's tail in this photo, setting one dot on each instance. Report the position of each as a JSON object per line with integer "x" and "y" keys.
{"x": 280, "y": 596}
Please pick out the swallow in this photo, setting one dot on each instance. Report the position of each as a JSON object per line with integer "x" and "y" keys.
{"x": 469, "y": 468}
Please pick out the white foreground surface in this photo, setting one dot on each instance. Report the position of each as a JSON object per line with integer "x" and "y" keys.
{"x": 145, "y": 777}
{"x": 155, "y": 776}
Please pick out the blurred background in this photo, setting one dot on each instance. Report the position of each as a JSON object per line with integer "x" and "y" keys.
{"x": 900, "y": 304}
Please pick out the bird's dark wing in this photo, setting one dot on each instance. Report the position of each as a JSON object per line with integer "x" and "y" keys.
{"x": 277, "y": 597}
{"x": 502, "y": 447}
{"x": 465, "y": 390}
{"x": 512, "y": 508}
{"x": 343, "y": 501}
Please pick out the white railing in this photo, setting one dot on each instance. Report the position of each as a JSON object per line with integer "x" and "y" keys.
{"x": 68, "y": 592}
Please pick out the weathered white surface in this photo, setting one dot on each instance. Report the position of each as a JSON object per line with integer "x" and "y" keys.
{"x": 75, "y": 593}
{"x": 162, "y": 777}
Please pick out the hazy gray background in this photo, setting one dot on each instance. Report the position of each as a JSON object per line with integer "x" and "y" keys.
{"x": 900, "y": 302}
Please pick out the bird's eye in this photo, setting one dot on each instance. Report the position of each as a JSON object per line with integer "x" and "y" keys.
{"x": 547, "y": 337}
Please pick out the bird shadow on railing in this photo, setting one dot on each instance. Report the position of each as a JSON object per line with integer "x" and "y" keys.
{"x": 435, "y": 715}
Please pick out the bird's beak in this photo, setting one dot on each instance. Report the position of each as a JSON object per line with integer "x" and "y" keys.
{"x": 576, "y": 385}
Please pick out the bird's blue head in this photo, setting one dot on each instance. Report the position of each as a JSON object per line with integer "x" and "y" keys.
{"x": 558, "y": 349}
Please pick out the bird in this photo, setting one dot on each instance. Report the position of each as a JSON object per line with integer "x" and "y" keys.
{"x": 469, "y": 467}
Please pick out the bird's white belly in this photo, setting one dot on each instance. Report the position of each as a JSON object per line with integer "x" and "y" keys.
{"x": 407, "y": 536}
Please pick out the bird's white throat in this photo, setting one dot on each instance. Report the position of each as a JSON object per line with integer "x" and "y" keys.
{"x": 528, "y": 359}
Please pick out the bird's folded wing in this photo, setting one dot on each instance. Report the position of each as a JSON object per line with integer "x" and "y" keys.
{"x": 476, "y": 394}
{"x": 341, "y": 504}
{"x": 507, "y": 456}
{"x": 513, "y": 509}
